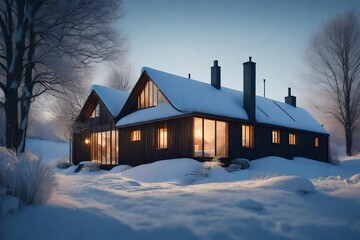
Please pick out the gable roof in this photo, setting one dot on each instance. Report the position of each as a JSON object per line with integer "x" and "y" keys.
{"x": 191, "y": 96}
{"x": 113, "y": 99}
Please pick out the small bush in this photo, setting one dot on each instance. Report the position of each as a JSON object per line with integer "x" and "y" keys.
{"x": 26, "y": 176}
{"x": 88, "y": 167}
{"x": 238, "y": 164}
{"x": 62, "y": 164}
{"x": 215, "y": 162}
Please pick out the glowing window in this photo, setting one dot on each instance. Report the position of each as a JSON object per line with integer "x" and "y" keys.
{"x": 210, "y": 138}
{"x": 135, "y": 135}
{"x": 150, "y": 96}
{"x": 96, "y": 112}
{"x": 276, "y": 136}
{"x": 293, "y": 139}
{"x": 247, "y": 136}
{"x": 316, "y": 142}
{"x": 162, "y": 141}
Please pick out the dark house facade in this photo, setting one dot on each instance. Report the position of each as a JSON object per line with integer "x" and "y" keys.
{"x": 168, "y": 116}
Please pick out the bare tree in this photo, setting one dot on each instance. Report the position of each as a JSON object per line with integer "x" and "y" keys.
{"x": 42, "y": 43}
{"x": 334, "y": 54}
{"x": 121, "y": 80}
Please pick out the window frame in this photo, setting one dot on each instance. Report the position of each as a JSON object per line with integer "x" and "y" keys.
{"x": 202, "y": 134}
{"x": 294, "y": 138}
{"x": 275, "y": 136}
{"x": 135, "y": 135}
{"x": 162, "y": 138}
{"x": 251, "y": 133}
{"x": 316, "y": 142}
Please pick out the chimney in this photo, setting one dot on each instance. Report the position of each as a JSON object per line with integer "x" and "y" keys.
{"x": 291, "y": 100}
{"x": 249, "y": 89}
{"x": 215, "y": 75}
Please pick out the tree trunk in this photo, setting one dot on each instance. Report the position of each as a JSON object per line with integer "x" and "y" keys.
{"x": 11, "y": 112}
{"x": 25, "y": 109}
{"x": 348, "y": 139}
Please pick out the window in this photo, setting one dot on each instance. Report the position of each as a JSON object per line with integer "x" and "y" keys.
{"x": 293, "y": 139}
{"x": 96, "y": 112}
{"x": 162, "y": 138}
{"x": 316, "y": 142}
{"x": 150, "y": 96}
{"x": 210, "y": 138}
{"x": 276, "y": 136}
{"x": 104, "y": 147}
{"x": 247, "y": 136}
{"x": 135, "y": 135}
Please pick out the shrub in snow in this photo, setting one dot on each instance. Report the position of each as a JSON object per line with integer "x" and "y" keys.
{"x": 88, "y": 166}
{"x": 238, "y": 164}
{"x": 62, "y": 164}
{"x": 206, "y": 167}
{"x": 26, "y": 176}
{"x": 215, "y": 162}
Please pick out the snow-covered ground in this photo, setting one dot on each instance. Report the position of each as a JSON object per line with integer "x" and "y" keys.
{"x": 177, "y": 199}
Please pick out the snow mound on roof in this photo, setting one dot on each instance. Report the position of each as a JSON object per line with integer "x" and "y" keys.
{"x": 289, "y": 183}
{"x": 113, "y": 99}
{"x": 161, "y": 111}
{"x": 192, "y": 96}
{"x": 163, "y": 171}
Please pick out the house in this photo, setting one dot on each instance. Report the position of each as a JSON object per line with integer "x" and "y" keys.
{"x": 167, "y": 116}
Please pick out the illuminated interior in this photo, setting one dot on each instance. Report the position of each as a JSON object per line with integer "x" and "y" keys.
{"x": 162, "y": 141}
{"x": 104, "y": 147}
{"x": 150, "y": 96}
{"x": 292, "y": 139}
{"x": 316, "y": 142}
{"x": 210, "y": 138}
{"x": 96, "y": 112}
{"x": 135, "y": 135}
{"x": 247, "y": 136}
{"x": 276, "y": 136}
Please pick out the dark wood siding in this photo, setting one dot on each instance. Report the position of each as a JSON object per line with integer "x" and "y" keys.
{"x": 179, "y": 145}
{"x": 263, "y": 145}
{"x": 85, "y": 126}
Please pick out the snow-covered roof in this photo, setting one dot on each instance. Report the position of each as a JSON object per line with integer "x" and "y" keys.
{"x": 161, "y": 111}
{"x": 113, "y": 99}
{"x": 192, "y": 96}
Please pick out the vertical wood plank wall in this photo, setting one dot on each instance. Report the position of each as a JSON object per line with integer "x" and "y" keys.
{"x": 180, "y": 142}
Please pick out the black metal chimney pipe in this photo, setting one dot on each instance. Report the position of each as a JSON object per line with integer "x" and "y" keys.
{"x": 291, "y": 100}
{"x": 216, "y": 75}
{"x": 249, "y": 100}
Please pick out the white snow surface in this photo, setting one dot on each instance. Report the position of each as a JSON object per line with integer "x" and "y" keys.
{"x": 113, "y": 99}
{"x": 274, "y": 199}
{"x": 192, "y": 96}
{"x": 161, "y": 111}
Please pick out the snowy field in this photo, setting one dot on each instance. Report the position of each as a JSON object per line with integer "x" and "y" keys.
{"x": 179, "y": 199}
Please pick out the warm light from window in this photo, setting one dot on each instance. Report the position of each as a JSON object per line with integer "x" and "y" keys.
{"x": 247, "y": 136}
{"x": 292, "y": 139}
{"x": 135, "y": 135}
{"x": 276, "y": 136}
{"x": 316, "y": 142}
{"x": 87, "y": 141}
{"x": 162, "y": 138}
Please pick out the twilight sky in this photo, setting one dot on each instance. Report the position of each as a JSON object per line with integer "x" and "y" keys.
{"x": 185, "y": 36}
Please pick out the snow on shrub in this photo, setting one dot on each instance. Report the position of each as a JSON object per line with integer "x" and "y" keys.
{"x": 289, "y": 183}
{"x": 238, "y": 164}
{"x": 62, "y": 164}
{"x": 88, "y": 166}
{"x": 206, "y": 167}
{"x": 26, "y": 176}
